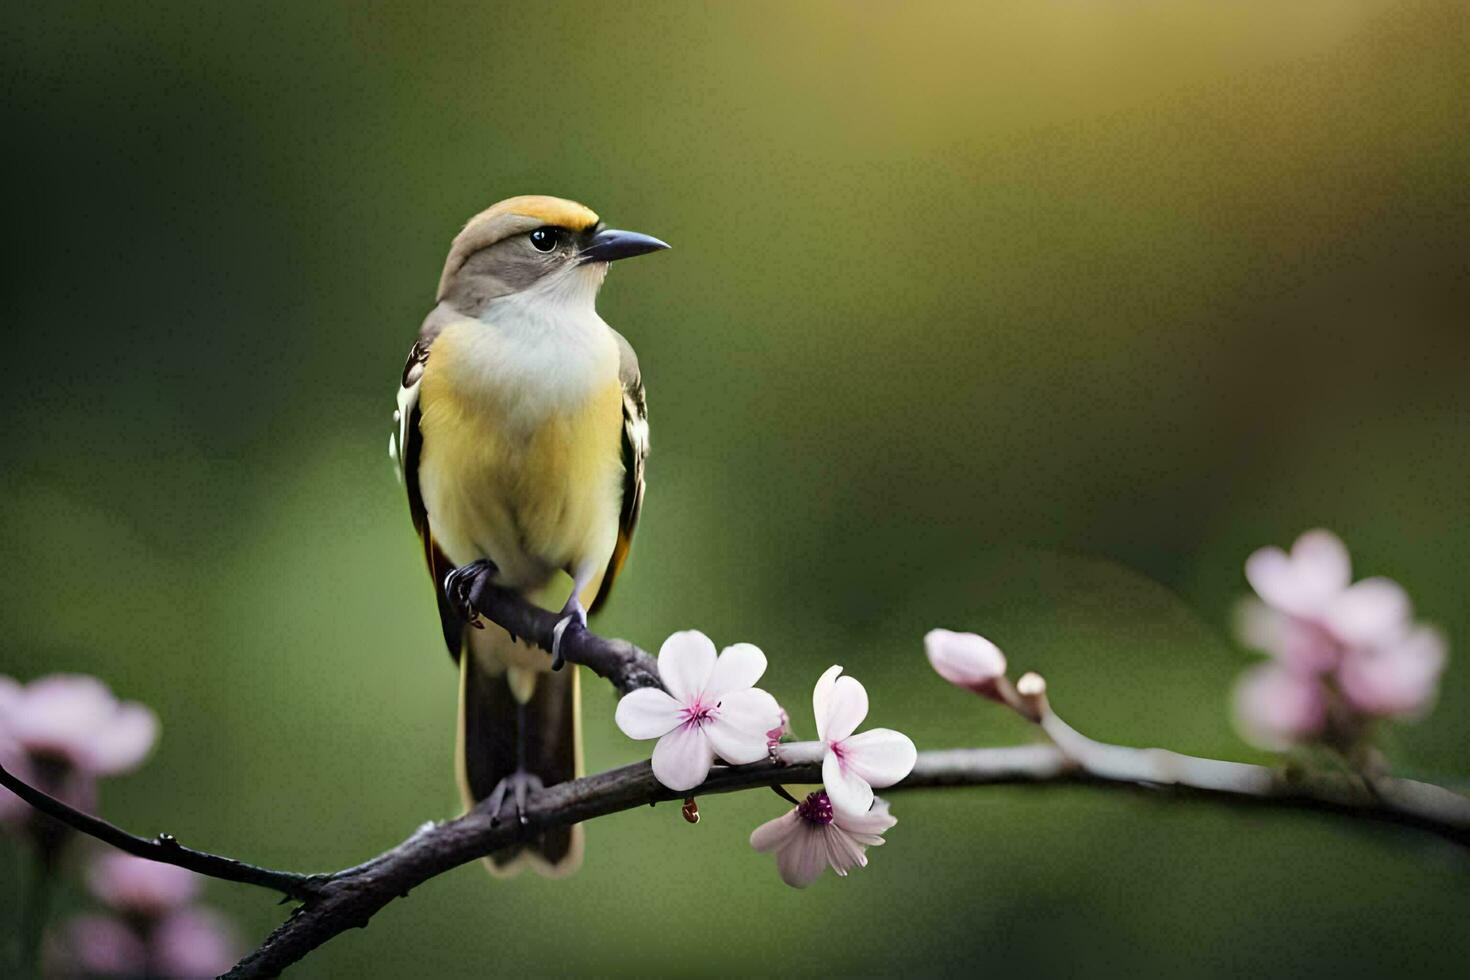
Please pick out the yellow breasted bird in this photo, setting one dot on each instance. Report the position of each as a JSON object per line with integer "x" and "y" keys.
{"x": 521, "y": 439}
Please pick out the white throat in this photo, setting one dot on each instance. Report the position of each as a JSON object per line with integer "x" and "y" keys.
{"x": 566, "y": 300}
{"x": 545, "y": 349}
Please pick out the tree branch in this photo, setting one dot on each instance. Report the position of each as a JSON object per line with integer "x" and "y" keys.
{"x": 164, "y": 847}
{"x": 350, "y": 898}
{"x": 336, "y": 902}
{"x": 624, "y": 665}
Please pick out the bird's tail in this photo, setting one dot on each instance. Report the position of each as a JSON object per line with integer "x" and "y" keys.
{"x": 509, "y": 719}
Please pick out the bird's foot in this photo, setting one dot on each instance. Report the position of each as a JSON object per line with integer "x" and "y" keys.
{"x": 460, "y": 585}
{"x": 518, "y": 786}
{"x": 573, "y": 617}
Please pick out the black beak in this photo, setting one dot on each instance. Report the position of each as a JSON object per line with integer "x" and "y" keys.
{"x": 611, "y": 245}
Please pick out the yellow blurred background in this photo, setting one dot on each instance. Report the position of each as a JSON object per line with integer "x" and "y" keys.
{"x": 1028, "y": 318}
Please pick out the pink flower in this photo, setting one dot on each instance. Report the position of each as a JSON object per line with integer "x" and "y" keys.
{"x": 1304, "y": 582}
{"x": 185, "y": 944}
{"x": 1310, "y": 614}
{"x": 58, "y": 734}
{"x": 140, "y": 887}
{"x": 1276, "y": 708}
{"x": 101, "y": 946}
{"x": 193, "y": 942}
{"x": 852, "y": 765}
{"x": 966, "y": 660}
{"x": 1344, "y": 650}
{"x": 815, "y": 835}
{"x": 1300, "y": 644}
{"x": 712, "y": 708}
{"x": 74, "y": 719}
{"x": 1397, "y": 679}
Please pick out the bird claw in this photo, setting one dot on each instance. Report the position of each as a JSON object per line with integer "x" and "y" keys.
{"x": 518, "y": 785}
{"x": 576, "y": 617}
{"x": 459, "y": 588}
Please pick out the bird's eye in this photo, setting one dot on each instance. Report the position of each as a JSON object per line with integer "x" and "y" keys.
{"x": 544, "y": 239}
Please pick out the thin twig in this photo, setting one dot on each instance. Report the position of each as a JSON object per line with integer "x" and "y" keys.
{"x": 336, "y": 902}
{"x": 624, "y": 665}
{"x": 164, "y": 847}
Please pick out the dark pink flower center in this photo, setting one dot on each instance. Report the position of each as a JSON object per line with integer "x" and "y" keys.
{"x": 699, "y": 713}
{"x": 816, "y": 809}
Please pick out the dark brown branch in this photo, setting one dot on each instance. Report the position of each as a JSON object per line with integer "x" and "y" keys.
{"x": 349, "y": 898}
{"x": 164, "y": 847}
{"x": 620, "y": 662}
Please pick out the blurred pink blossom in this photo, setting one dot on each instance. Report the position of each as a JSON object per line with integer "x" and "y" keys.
{"x": 1304, "y": 582}
{"x": 1300, "y": 644}
{"x": 1399, "y": 679}
{"x": 99, "y": 945}
{"x": 184, "y": 944}
{"x": 193, "y": 942}
{"x": 140, "y": 887}
{"x": 1343, "y": 651}
{"x": 60, "y": 732}
{"x": 815, "y": 836}
{"x": 74, "y": 719}
{"x": 1276, "y": 708}
{"x": 1310, "y": 612}
{"x": 966, "y": 660}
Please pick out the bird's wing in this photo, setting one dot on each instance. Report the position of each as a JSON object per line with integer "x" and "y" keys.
{"x": 404, "y": 446}
{"x": 635, "y": 455}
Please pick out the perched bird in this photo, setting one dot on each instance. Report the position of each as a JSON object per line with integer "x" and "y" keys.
{"x": 521, "y": 436}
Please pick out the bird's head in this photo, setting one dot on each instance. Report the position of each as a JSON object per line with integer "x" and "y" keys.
{"x": 533, "y": 243}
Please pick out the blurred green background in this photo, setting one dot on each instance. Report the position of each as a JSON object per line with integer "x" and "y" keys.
{"x": 1031, "y": 318}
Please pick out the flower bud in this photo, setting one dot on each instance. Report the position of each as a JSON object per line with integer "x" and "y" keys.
{"x": 966, "y": 660}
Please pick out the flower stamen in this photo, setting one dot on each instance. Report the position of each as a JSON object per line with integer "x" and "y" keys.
{"x": 816, "y": 809}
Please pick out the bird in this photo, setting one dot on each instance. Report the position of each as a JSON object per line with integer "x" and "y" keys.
{"x": 521, "y": 438}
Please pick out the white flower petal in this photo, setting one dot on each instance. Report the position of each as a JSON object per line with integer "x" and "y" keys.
{"x": 1371, "y": 611}
{"x": 847, "y": 706}
{"x": 647, "y": 713}
{"x": 738, "y": 667}
{"x": 124, "y": 741}
{"x": 848, "y": 791}
{"x": 868, "y": 826}
{"x": 752, "y": 710}
{"x": 682, "y": 758}
{"x": 820, "y": 696}
{"x": 685, "y": 662}
{"x": 801, "y": 861}
{"x": 843, "y": 853}
{"x": 774, "y": 834}
{"x": 880, "y": 756}
{"x": 738, "y": 730}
